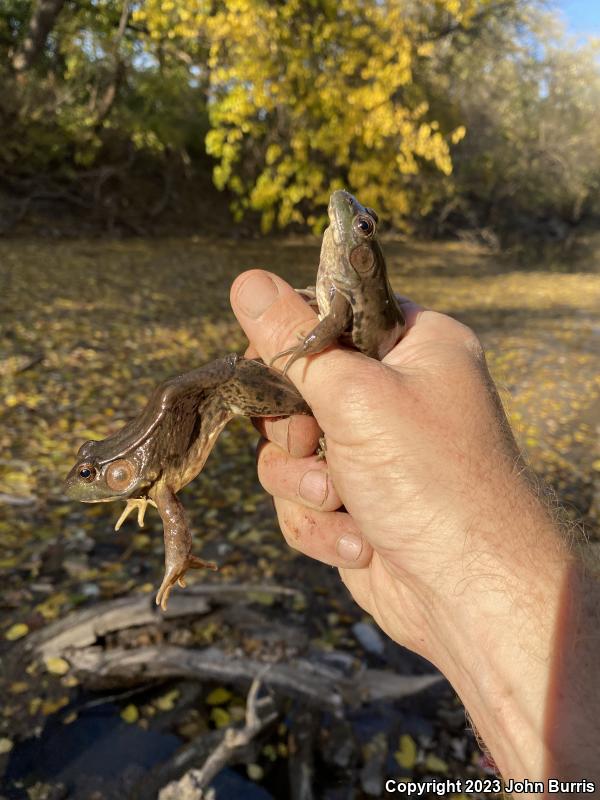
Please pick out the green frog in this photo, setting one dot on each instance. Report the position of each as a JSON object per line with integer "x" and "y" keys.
{"x": 353, "y": 296}
{"x": 165, "y": 447}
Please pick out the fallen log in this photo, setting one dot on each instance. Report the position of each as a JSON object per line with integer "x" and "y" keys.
{"x": 318, "y": 685}
{"x": 84, "y": 628}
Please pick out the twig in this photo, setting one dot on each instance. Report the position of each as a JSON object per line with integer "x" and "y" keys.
{"x": 231, "y": 748}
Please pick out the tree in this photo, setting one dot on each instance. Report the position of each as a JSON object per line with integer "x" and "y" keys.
{"x": 306, "y": 97}
{"x": 529, "y": 98}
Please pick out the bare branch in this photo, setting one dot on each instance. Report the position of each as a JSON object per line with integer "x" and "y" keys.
{"x": 43, "y": 19}
{"x": 231, "y": 748}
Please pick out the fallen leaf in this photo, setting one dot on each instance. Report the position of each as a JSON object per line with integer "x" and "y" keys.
{"x": 218, "y": 696}
{"x": 220, "y": 717}
{"x": 255, "y": 772}
{"x": 167, "y": 701}
{"x": 130, "y": 713}
{"x": 406, "y": 755}
{"x": 435, "y": 764}
{"x": 16, "y": 631}
{"x": 56, "y": 665}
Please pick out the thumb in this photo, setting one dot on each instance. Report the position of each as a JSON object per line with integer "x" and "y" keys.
{"x": 273, "y": 315}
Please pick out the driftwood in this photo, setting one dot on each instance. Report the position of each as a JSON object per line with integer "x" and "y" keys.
{"x": 324, "y": 683}
{"x": 232, "y": 748}
{"x": 84, "y": 628}
{"x": 319, "y": 685}
{"x": 334, "y": 681}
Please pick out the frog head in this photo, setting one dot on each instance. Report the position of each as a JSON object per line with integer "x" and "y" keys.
{"x": 353, "y": 230}
{"x": 95, "y": 480}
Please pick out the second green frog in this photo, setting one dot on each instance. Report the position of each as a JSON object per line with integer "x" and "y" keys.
{"x": 355, "y": 301}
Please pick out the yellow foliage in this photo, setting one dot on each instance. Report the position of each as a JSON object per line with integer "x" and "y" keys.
{"x": 218, "y": 696}
{"x": 307, "y": 97}
{"x": 130, "y": 713}
{"x": 49, "y": 707}
{"x": 167, "y": 701}
{"x": 6, "y": 745}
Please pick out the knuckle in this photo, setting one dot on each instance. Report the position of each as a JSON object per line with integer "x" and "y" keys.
{"x": 467, "y": 337}
{"x": 472, "y": 343}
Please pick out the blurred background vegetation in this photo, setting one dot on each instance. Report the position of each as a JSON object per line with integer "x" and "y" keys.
{"x": 446, "y": 116}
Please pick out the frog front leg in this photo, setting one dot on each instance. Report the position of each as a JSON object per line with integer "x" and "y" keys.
{"x": 310, "y": 295}
{"x": 326, "y": 332}
{"x": 178, "y": 543}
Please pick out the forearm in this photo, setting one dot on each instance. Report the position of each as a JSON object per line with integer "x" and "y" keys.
{"x": 519, "y": 645}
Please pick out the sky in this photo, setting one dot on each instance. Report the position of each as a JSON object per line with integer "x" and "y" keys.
{"x": 581, "y": 16}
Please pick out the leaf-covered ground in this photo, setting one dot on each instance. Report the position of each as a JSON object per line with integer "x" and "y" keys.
{"x": 89, "y": 327}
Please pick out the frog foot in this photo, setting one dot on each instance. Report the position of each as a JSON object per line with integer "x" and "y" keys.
{"x": 175, "y": 574}
{"x": 310, "y": 295}
{"x": 322, "y": 449}
{"x": 141, "y": 503}
{"x": 294, "y": 352}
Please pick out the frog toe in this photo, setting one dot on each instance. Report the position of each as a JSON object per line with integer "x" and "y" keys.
{"x": 198, "y": 563}
{"x": 162, "y": 596}
{"x": 282, "y": 354}
{"x": 132, "y": 504}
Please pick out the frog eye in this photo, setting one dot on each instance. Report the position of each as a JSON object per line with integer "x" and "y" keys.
{"x": 364, "y": 225}
{"x": 119, "y": 475}
{"x": 372, "y": 213}
{"x": 87, "y": 472}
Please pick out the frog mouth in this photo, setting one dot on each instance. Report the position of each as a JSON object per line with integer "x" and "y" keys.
{"x": 113, "y": 498}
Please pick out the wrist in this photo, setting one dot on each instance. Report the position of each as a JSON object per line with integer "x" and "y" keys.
{"x": 495, "y": 633}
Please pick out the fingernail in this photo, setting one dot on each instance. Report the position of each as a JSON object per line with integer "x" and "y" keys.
{"x": 349, "y": 547}
{"x": 256, "y": 294}
{"x": 313, "y": 487}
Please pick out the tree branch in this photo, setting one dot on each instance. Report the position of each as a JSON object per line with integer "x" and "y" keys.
{"x": 43, "y": 19}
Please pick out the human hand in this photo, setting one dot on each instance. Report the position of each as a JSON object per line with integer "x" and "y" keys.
{"x": 442, "y": 536}
{"x": 418, "y": 452}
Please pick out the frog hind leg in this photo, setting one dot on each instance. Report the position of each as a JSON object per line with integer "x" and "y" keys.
{"x": 326, "y": 332}
{"x": 178, "y": 544}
